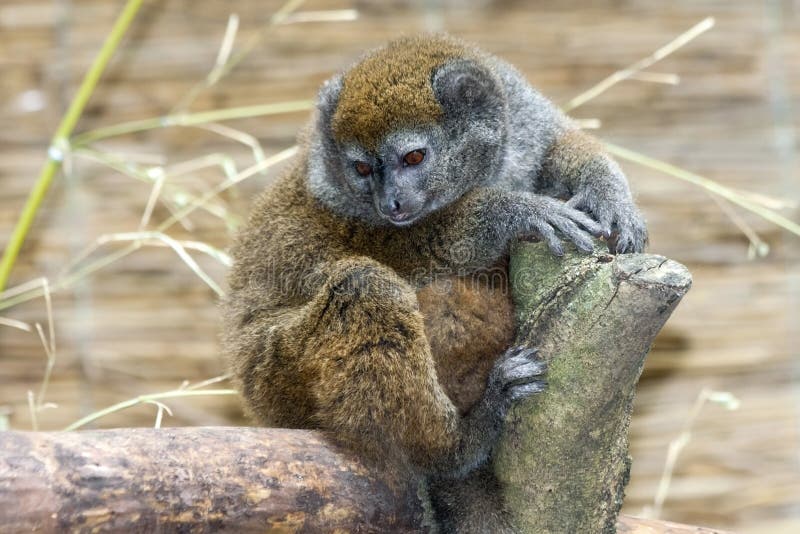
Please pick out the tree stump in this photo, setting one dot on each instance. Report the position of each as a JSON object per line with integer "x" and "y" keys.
{"x": 563, "y": 458}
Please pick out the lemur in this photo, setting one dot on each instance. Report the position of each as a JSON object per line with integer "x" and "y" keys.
{"x": 369, "y": 293}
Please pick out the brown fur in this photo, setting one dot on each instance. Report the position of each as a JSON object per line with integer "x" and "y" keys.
{"x": 573, "y": 152}
{"x": 386, "y": 337}
{"x": 391, "y": 89}
{"x": 468, "y": 322}
{"x": 367, "y": 328}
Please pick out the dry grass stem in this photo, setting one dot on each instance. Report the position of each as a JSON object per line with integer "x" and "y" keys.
{"x": 757, "y": 247}
{"x": 13, "y": 323}
{"x": 226, "y": 61}
{"x": 190, "y": 119}
{"x": 238, "y": 136}
{"x": 152, "y": 199}
{"x": 677, "y": 445}
{"x": 230, "y": 182}
{"x": 206, "y": 383}
{"x": 160, "y": 412}
{"x": 588, "y": 124}
{"x": 706, "y": 183}
{"x": 49, "y": 344}
{"x": 332, "y": 15}
{"x": 32, "y": 290}
{"x": 656, "y": 77}
{"x": 768, "y": 201}
{"x": 141, "y": 399}
{"x": 32, "y": 410}
{"x": 634, "y": 69}
{"x": 225, "y": 48}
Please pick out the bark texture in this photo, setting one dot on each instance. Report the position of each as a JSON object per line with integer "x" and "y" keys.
{"x": 563, "y": 459}
{"x": 205, "y": 480}
{"x": 192, "y": 480}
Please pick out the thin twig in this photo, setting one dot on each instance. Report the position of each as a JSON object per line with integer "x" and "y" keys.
{"x": 707, "y": 184}
{"x": 145, "y": 399}
{"x": 758, "y": 248}
{"x": 624, "y": 74}
{"x": 191, "y": 119}
{"x": 677, "y": 445}
{"x": 225, "y": 63}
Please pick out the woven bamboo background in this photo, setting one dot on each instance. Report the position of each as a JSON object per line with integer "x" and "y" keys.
{"x": 146, "y": 323}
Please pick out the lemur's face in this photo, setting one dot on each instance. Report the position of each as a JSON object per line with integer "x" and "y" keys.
{"x": 407, "y": 131}
{"x": 405, "y": 178}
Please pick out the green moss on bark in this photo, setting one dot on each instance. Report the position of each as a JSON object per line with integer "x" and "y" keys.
{"x": 563, "y": 459}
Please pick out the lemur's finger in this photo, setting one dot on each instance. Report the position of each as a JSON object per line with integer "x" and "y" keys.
{"x": 548, "y": 234}
{"x": 577, "y": 201}
{"x": 523, "y": 374}
{"x": 526, "y": 390}
{"x": 631, "y": 240}
{"x": 605, "y": 217}
{"x": 511, "y": 364}
{"x": 578, "y": 236}
{"x": 581, "y": 218}
{"x": 520, "y": 353}
{"x": 632, "y": 232}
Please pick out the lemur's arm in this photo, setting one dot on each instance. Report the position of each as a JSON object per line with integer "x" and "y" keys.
{"x": 474, "y": 232}
{"x": 596, "y": 185}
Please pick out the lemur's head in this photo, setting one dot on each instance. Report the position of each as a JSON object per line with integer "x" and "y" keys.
{"x": 407, "y": 130}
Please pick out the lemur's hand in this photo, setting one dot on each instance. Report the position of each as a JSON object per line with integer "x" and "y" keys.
{"x": 621, "y": 222}
{"x": 546, "y": 216}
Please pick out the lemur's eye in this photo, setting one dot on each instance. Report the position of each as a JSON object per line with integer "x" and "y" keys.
{"x": 363, "y": 168}
{"x": 414, "y": 157}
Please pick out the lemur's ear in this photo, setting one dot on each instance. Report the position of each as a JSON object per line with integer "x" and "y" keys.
{"x": 328, "y": 99}
{"x": 463, "y": 86}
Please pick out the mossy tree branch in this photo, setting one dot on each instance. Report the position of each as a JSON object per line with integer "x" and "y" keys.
{"x": 563, "y": 459}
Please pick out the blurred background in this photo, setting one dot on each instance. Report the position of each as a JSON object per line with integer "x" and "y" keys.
{"x": 132, "y": 317}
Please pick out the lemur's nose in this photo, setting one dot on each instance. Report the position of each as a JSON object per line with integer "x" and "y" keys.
{"x": 394, "y": 206}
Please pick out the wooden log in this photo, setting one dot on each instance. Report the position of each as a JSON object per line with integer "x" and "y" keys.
{"x": 562, "y": 461}
{"x": 202, "y": 480}
{"x": 192, "y": 480}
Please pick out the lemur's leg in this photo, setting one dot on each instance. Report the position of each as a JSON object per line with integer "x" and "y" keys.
{"x": 358, "y": 351}
{"x": 473, "y": 505}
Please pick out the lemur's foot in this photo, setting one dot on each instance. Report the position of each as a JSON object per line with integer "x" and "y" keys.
{"x": 518, "y": 373}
